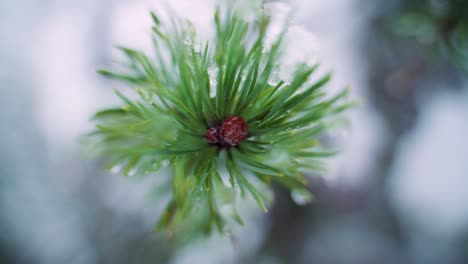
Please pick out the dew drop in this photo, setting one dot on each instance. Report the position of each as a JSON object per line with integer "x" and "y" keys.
{"x": 164, "y": 163}
{"x": 244, "y": 77}
{"x": 274, "y": 78}
{"x": 197, "y": 47}
{"x": 132, "y": 172}
{"x": 213, "y": 91}
{"x": 302, "y": 197}
{"x": 116, "y": 169}
{"x": 188, "y": 42}
{"x": 213, "y": 75}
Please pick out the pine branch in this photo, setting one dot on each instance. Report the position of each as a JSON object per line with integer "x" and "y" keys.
{"x": 208, "y": 110}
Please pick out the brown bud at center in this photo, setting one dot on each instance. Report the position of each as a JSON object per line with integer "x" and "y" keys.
{"x": 232, "y": 131}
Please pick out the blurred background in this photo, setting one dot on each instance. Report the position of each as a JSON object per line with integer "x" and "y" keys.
{"x": 397, "y": 194}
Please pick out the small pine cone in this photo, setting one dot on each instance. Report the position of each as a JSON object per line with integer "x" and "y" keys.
{"x": 212, "y": 135}
{"x": 234, "y": 130}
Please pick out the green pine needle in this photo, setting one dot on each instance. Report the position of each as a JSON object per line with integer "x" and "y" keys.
{"x": 176, "y": 105}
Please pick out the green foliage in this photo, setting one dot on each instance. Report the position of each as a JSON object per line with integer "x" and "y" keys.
{"x": 439, "y": 25}
{"x": 175, "y": 105}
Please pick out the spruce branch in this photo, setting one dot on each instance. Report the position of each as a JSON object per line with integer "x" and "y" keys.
{"x": 210, "y": 110}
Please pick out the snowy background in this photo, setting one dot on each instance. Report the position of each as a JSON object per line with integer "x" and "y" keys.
{"x": 397, "y": 194}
